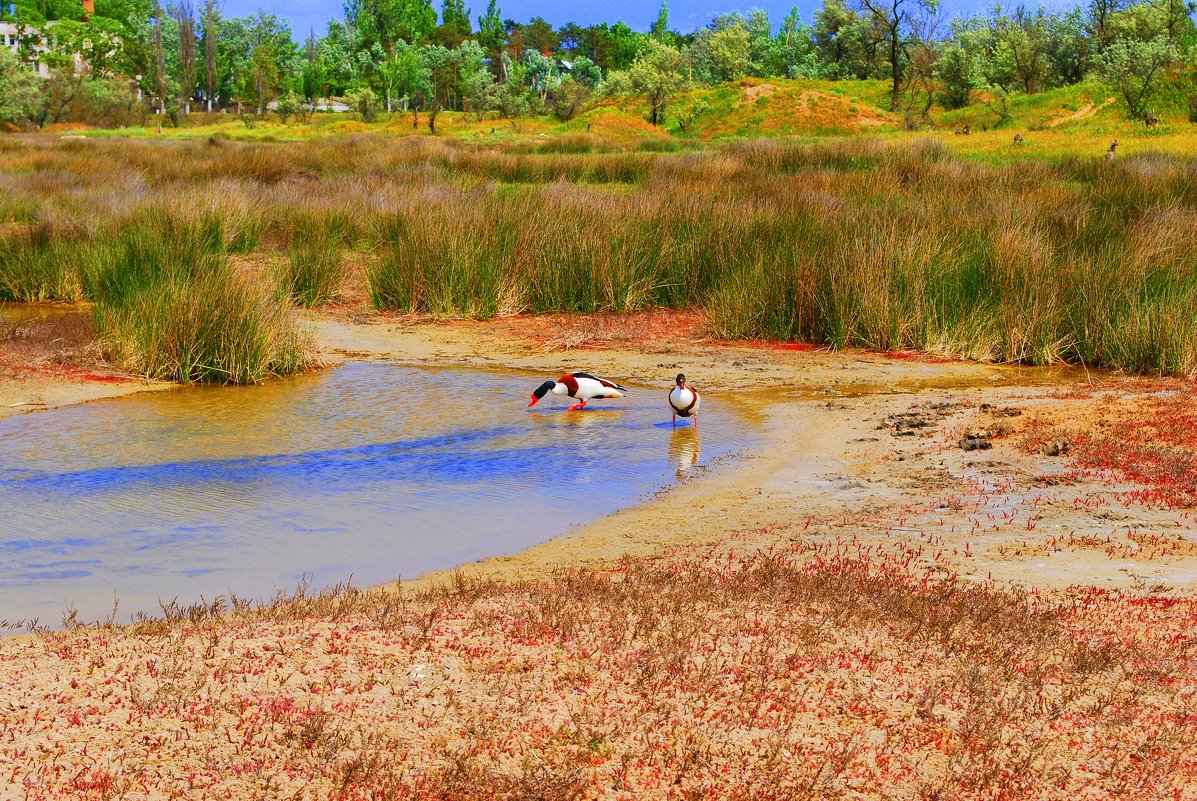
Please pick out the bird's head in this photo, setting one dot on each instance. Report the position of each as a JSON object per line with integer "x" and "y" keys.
{"x": 541, "y": 391}
{"x": 681, "y": 380}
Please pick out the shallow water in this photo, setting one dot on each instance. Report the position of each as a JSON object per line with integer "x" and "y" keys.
{"x": 17, "y": 313}
{"x": 370, "y": 470}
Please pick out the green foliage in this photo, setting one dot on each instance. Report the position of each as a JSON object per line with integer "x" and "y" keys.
{"x": 569, "y": 97}
{"x": 727, "y": 48}
{"x": 383, "y": 22}
{"x": 657, "y": 75}
{"x": 20, "y": 90}
{"x": 1133, "y": 68}
{"x": 586, "y": 72}
{"x": 391, "y": 47}
{"x": 477, "y": 85}
{"x": 957, "y": 77}
{"x": 1144, "y": 41}
{"x": 289, "y": 105}
{"x": 455, "y": 23}
{"x": 490, "y": 29}
{"x": 659, "y": 30}
{"x": 845, "y": 42}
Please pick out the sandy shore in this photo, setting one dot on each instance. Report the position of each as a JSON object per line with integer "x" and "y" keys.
{"x": 830, "y": 459}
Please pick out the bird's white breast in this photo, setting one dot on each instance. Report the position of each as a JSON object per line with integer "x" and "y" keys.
{"x": 680, "y": 398}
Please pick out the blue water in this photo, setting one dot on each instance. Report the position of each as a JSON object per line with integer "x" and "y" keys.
{"x": 370, "y": 471}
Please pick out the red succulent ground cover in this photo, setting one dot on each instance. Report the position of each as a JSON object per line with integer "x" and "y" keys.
{"x": 1149, "y": 439}
{"x": 828, "y": 669}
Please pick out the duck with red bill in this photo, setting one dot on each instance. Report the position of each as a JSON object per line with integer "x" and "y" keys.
{"x": 582, "y": 387}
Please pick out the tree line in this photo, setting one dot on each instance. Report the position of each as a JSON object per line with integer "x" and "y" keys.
{"x": 131, "y": 58}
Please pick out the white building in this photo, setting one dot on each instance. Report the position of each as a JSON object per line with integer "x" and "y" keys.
{"x": 11, "y": 36}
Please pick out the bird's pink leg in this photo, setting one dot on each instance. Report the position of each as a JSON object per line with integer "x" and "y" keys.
{"x": 575, "y": 407}
{"x": 675, "y": 421}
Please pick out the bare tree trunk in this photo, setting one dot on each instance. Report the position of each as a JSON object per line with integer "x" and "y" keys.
{"x": 185, "y": 17}
{"x": 893, "y": 63}
{"x": 211, "y": 19}
{"x": 159, "y": 61}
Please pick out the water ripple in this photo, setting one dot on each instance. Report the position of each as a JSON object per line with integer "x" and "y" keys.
{"x": 372, "y": 470}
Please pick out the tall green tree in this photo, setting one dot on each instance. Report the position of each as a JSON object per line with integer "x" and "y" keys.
{"x": 20, "y": 89}
{"x": 383, "y": 22}
{"x": 1022, "y": 47}
{"x": 210, "y": 21}
{"x": 185, "y": 25}
{"x": 490, "y": 30}
{"x": 455, "y": 23}
{"x": 845, "y": 42}
{"x": 660, "y": 27}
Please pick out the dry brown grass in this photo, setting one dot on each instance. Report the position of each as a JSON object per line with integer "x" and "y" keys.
{"x": 898, "y": 246}
{"x": 820, "y": 671}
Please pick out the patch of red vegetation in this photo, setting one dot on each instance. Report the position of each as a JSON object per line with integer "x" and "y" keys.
{"x": 103, "y": 379}
{"x": 771, "y": 344}
{"x": 15, "y": 367}
{"x": 817, "y": 670}
{"x": 1148, "y": 439}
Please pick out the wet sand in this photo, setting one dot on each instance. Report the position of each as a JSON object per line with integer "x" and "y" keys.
{"x": 47, "y": 360}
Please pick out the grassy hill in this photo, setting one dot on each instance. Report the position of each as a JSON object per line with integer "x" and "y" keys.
{"x": 773, "y": 107}
{"x": 1075, "y": 121}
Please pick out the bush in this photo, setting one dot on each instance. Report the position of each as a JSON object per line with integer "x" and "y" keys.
{"x": 363, "y": 102}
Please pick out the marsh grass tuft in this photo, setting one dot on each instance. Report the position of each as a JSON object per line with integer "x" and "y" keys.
{"x": 315, "y": 264}
{"x": 35, "y": 271}
{"x": 170, "y": 306}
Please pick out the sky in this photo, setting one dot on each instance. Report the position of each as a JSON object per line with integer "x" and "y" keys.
{"x": 684, "y": 15}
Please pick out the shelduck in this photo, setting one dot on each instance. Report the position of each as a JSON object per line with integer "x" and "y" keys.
{"x": 684, "y": 400}
{"x": 581, "y": 386}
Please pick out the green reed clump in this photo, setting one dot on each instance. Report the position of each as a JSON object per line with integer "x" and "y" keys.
{"x": 169, "y": 306}
{"x": 33, "y": 271}
{"x": 315, "y": 264}
{"x": 460, "y": 270}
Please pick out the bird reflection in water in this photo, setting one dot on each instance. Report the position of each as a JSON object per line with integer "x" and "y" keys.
{"x": 684, "y": 448}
